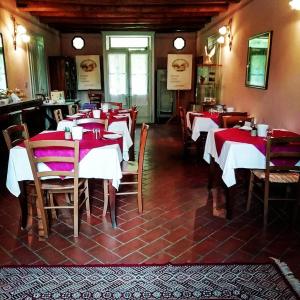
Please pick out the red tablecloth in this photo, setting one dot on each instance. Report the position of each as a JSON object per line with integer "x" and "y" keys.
{"x": 85, "y": 145}
{"x": 243, "y": 136}
{"x": 214, "y": 116}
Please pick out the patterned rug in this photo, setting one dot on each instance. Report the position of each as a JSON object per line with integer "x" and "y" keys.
{"x": 188, "y": 281}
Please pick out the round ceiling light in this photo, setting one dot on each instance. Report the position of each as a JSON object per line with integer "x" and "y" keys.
{"x": 78, "y": 42}
{"x": 179, "y": 43}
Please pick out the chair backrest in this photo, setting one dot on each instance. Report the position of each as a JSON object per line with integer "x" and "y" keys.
{"x": 230, "y": 120}
{"x": 73, "y": 109}
{"x": 58, "y": 115}
{"x": 182, "y": 114}
{"x": 119, "y": 105}
{"x": 15, "y": 134}
{"x": 91, "y": 120}
{"x": 282, "y": 153}
{"x": 143, "y": 139}
{"x": 32, "y": 146}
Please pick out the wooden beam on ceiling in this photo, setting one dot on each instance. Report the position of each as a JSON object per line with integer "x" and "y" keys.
{"x": 24, "y": 3}
{"x": 155, "y": 14}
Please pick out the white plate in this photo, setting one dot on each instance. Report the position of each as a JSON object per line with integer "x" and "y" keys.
{"x": 111, "y": 136}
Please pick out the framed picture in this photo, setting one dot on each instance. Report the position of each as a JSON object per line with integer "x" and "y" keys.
{"x": 258, "y": 60}
{"x": 88, "y": 72}
{"x": 179, "y": 75}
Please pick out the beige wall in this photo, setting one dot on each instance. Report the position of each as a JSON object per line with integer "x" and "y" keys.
{"x": 17, "y": 63}
{"x": 279, "y": 105}
{"x": 164, "y": 46}
{"x": 93, "y": 46}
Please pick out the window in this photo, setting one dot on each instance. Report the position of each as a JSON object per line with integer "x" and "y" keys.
{"x": 128, "y": 42}
{"x": 39, "y": 80}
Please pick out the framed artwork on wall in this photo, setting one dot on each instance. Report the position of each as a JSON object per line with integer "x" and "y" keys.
{"x": 88, "y": 72}
{"x": 258, "y": 60}
{"x": 179, "y": 76}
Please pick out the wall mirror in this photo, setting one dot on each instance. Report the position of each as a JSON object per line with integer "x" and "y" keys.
{"x": 3, "y": 81}
{"x": 258, "y": 60}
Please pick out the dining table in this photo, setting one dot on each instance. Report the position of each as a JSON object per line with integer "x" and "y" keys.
{"x": 234, "y": 148}
{"x": 116, "y": 125}
{"x": 199, "y": 122}
{"x": 99, "y": 159}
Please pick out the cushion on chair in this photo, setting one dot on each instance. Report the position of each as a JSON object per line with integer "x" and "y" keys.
{"x": 284, "y": 177}
{"x": 130, "y": 167}
{"x": 57, "y": 184}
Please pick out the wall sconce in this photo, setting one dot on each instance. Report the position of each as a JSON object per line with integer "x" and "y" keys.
{"x": 223, "y": 31}
{"x": 19, "y": 33}
{"x": 295, "y": 4}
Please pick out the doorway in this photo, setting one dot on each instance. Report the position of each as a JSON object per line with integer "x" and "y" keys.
{"x": 128, "y": 70}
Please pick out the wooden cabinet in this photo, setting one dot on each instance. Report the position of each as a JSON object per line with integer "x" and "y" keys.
{"x": 62, "y": 71}
{"x": 208, "y": 84}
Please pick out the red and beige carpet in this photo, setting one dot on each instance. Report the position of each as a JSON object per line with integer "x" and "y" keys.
{"x": 187, "y": 281}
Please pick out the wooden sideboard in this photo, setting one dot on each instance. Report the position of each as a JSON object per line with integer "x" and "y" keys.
{"x": 28, "y": 111}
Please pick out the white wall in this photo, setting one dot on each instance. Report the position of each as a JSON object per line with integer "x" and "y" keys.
{"x": 279, "y": 105}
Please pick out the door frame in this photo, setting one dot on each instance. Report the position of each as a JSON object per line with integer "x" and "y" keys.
{"x": 105, "y": 36}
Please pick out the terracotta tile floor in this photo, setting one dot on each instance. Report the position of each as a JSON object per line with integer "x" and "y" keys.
{"x": 177, "y": 224}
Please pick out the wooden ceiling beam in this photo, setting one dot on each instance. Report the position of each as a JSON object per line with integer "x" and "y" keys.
{"x": 27, "y": 3}
{"x": 76, "y": 10}
{"x": 117, "y": 27}
{"x": 103, "y": 15}
{"x": 124, "y": 20}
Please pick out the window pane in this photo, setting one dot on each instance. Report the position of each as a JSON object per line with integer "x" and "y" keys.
{"x": 128, "y": 42}
{"x": 117, "y": 74}
{"x": 139, "y": 74}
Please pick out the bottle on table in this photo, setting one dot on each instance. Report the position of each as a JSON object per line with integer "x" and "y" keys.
{"x": 253, "y": 128}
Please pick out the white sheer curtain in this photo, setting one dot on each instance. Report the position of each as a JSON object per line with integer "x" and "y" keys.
{"x": 139, "y": 78}
{"x": 117, "y": 77}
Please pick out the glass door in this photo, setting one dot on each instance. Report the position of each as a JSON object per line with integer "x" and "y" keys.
{"x": 128, "y": 68}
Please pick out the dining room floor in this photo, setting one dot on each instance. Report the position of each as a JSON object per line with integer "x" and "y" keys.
{"x": 181, "y": 221}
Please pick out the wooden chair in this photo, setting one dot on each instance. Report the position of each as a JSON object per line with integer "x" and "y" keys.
{"x": 46, "y": 188}
{"x": 58, "y": 115}
{"x": 15, "y": 134}
{"x": 185, "y": 131}
{"x": 133, "y": 115}
{"x": 229, "y": 121}
{"x": 131, "y": 168}
{"x": 118, "y": 105}
{"x": 73, "y": 109}
{"x": 95, "y": 97}
{"x": 91, "y": 120}
{"x": 283, "y": 174}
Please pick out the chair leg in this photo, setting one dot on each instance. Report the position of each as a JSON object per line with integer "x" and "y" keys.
{"x": 140, "y": 199}
{"x": 53, "y": 211}
{"x": 266, "y": 203}
{"x": 87, "y": 197}
{"x": 105, "y": 192}
{"x": 251, "y": 183}
{"x": 75, "y": 215}
{"x": 42, "y": 218}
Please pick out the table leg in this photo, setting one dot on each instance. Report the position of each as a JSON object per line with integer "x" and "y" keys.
{"x": 23, "y": 204}
{"x": 212, "y": 170}
{"x": 229, "y": 202}
{"x": 112, "y": 203}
